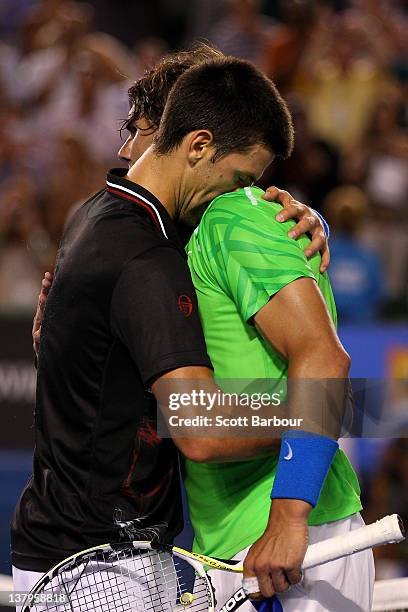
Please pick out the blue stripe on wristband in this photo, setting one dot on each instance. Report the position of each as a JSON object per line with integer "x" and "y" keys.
{"x": 325, "y": 224}
{"x": 304, "y": 462}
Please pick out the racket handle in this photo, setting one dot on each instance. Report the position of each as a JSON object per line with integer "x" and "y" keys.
{"x": 388, "y": 530}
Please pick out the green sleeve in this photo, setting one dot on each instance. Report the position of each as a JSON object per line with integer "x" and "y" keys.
{"x": 248, "y": 253}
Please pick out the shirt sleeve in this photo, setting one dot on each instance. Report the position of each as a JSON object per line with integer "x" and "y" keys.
{"x": 251, "y": 257}
{"x": 154, "y": 313}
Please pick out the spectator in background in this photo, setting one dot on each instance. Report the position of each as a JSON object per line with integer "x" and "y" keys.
{"x": 148, "y": 51}
{"x": 357, "y": 280}
{"x": 388, "y": 494}
{"x": 285, "y": 46}
{"x": 381, "y": 160}
{"x": 76, "y": 176}
{"x": 312, "y": 170}
{"x": 25, "y": 248}
{"x": 201, "y": 15}
{"x": 69, "y": 79}
{"x": 243, "y": 31}
{"x": 380, "y": 164}
{"x": 87, "y": 95}
{"x": 342, "y": 75}
{"x": 48, "y": 38}
{"x": 22, "y": 148}
{"x": 9, "y": 159}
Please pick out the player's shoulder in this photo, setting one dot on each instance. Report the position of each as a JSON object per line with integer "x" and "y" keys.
{"x": 247, "y": 204}
{"x": 247, "y": 197}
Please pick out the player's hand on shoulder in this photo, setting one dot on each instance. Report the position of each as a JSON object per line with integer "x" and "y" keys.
{"x": 276, "y": 558}
{"x": 39, "y": 314}
{"x": 308, "y": 221}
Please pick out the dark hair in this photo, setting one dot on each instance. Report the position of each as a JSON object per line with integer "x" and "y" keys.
{"x": 232, "y": 99}
{"x": 148, "y": 96}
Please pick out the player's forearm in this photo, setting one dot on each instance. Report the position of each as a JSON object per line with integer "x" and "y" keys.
{"x": 193, "y": 406}
{"x": 317, "y": 389}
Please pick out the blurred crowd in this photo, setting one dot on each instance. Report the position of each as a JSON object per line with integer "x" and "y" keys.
{"x": 63, "y": 96}
{"x": 65, "y": 67}
{"x": 341, "y": 65}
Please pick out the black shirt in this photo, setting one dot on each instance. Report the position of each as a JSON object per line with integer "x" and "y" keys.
{"x": 121, "y": 311}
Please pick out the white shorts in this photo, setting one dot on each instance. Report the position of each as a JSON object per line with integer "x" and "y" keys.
{"x": 23, "y": 581}
{"x": 345, "y": 585}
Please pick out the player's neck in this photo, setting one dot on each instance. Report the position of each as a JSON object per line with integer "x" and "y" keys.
{"x": 160, "y": 176}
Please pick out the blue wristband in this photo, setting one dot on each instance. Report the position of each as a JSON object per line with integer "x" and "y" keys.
{"x": 325, "y": 224}
{"x": 304, "y": 461}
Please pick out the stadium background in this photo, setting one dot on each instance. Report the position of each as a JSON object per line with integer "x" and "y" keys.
{"x": 64, "y": 71}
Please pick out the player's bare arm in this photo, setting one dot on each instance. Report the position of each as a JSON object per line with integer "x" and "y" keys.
{"x": 295, "y": 321}
{"x": 38, "y": 317}
{"x": 207, "y": 449}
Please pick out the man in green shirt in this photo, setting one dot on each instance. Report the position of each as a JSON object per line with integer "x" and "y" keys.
{"x": 242, "y": 263}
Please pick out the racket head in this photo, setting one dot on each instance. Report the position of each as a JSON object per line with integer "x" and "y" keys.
{"x": 133, "y": 576}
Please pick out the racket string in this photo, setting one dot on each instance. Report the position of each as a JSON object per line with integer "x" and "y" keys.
{"x": 125, "y": 581}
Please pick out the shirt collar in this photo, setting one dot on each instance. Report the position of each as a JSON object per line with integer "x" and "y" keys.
{"x": 121, "y": 187}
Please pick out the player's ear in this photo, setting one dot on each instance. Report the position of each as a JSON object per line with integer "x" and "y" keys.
{"x": 199, "y": 146}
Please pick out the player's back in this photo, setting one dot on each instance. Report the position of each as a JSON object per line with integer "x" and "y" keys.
{"x": 239, "y": 257}
{"x": 96, "y": 447}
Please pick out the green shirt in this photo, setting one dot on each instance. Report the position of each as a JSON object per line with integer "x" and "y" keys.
{"x": 239, "y": 257}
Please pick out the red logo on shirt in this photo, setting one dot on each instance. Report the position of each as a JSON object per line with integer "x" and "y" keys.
{"x": 185, "y": 304}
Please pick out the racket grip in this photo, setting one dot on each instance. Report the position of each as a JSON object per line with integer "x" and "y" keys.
{"x": 388, "y": 530}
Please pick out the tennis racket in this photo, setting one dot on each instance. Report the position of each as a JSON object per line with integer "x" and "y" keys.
{"x": 146, "y": 577}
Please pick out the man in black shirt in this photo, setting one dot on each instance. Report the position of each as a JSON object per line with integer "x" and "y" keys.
{"x": 96, "y": 447}
{"x": 120, "y": 290}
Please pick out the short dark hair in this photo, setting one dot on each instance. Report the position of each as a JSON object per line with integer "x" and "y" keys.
{"x": 235, "y": 101}
{"x": 148, "y": 96}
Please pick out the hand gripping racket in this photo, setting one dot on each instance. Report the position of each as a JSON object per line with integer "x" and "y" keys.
{"x": 145, "y": 577}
